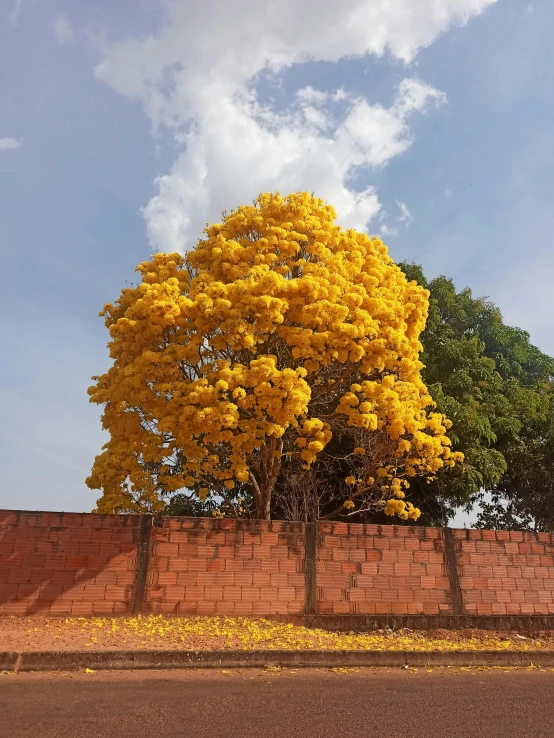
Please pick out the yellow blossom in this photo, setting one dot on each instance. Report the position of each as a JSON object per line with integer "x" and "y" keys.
{"x": 275, "y": 333}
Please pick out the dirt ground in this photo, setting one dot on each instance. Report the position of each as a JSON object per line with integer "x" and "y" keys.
{"x": 208, "y": 633}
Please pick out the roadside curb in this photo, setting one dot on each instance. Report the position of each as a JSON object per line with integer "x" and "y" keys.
{"x": 124, "y": 660}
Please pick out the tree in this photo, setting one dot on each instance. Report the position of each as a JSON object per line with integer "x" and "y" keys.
{"x": 240, "y": 362}
{"x": 523, "y": 499}
{"x": 497, "y": 389}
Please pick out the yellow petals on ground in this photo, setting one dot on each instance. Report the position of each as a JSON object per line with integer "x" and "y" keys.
{"x": 212, "y": 633}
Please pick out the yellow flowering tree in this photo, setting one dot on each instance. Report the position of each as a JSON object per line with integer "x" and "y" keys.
{"x": 237, "y": 364}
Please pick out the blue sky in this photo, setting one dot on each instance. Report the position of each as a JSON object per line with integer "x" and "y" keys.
{"x": 125, "y": 126}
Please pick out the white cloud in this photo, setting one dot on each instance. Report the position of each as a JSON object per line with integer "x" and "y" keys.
{"x": 385, "y": 230}
{"x": 8, "y": 143}
{"x": 13, "y": 17}
{"x": 63, "y": 30}
{"x": 405, "y": 215}
{"x": 448, "y": 192}
{"x": 199, "y": 76}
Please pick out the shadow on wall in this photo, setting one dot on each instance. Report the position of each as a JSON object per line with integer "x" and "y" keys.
{"x": 67, "y": 563}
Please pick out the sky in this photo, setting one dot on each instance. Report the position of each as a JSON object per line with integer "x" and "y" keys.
{"x": 126, "y": 126}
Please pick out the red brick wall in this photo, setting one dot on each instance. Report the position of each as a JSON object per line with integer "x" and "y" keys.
{"x": 378, "y": 569}
{"x": 85, "y": 564}
{"x": 67, "y": 563}
{"x": 506, "y": 572}
{"x": 202, "y": 566}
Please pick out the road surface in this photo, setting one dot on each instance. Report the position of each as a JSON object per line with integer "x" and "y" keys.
{"x": 257, "y": 704}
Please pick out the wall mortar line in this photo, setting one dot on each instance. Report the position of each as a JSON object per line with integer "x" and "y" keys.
{"x": 453, "y": 574}
{"x": 310, "y": 569}
{"x": 143, "y": 556}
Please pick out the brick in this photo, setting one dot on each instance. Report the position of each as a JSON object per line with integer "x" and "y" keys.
{"x": 296, "y": 580}
{"x": 225, "y": 578}
{"x": 341, "y": 608}
{"x": 14, "y": 608}
{"x": 188, "y": 550}
{"x": 252, "y": 565}
{"x": 206, "y": 578}
{"x": 216, "y": 565}
{"x": 179, "y": 563}
{"x": 381, "y": 543}
{"x": 213, "y": 593}
{"x": 8, "y": 517}
{"x": 206, "y": 551}
{"x": 23, "y": 545}
{"x": 243, "y": 608}
{"x": 115, "y": 592}
{"x": 76, "y": 562}
{"x": 235, "y": 538}
{"x": 187, "y": 578}
{"x": 288, "y": 565}
{"x": 62, "y": 608}
{"x": 370, "y": 568}
{"x": 206, "y": 607}
{"x": 271, "y": 566}
{"x": 234, "y": 565}
{"x": 279, "y": 580}
{"x": 383, "y": 608}
{"x": 402, "y": 569}
{"x": 243, "y": 579}
{"x": 94, "y": 591}
{"x": 81, "y": 609}
{"x": 232, "y": 593}
{"x": 168, "y": 577}
{"x": 268, "y": 539}
{"x": 125, "y": 577}
{"x": 19, "y": 576}
{"x": 199, "y": 565}
{"x": 286, "y": 593}
{"x": 197, "y": 536}
{"x": 261, "y": 608}
{"x": 215, "y": 537}
{"x": 250, "y": 594}
{"x": 166, "y": 549}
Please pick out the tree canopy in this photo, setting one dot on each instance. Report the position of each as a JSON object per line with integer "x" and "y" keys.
{"x": 497, "y": 389}
{"x": 279, "y": 345}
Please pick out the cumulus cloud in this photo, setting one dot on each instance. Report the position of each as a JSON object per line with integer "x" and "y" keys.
{"x": 63, "y": 30}
{"x": 200, "y": 75}
{"x": 8, "y": 143}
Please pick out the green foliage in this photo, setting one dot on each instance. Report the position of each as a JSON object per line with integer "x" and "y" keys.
{"x": 496, "y": 388}
{"x": 524, "y": 497}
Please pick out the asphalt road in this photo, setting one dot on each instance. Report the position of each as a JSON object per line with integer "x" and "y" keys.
{"x": 255, "y": 704}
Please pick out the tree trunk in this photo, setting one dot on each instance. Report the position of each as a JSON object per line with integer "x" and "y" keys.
{"x": 267, "y": 468}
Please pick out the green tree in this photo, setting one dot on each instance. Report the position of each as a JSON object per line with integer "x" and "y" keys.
{"x": 523, "y": 499}
{"x": 496, "y": 387}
